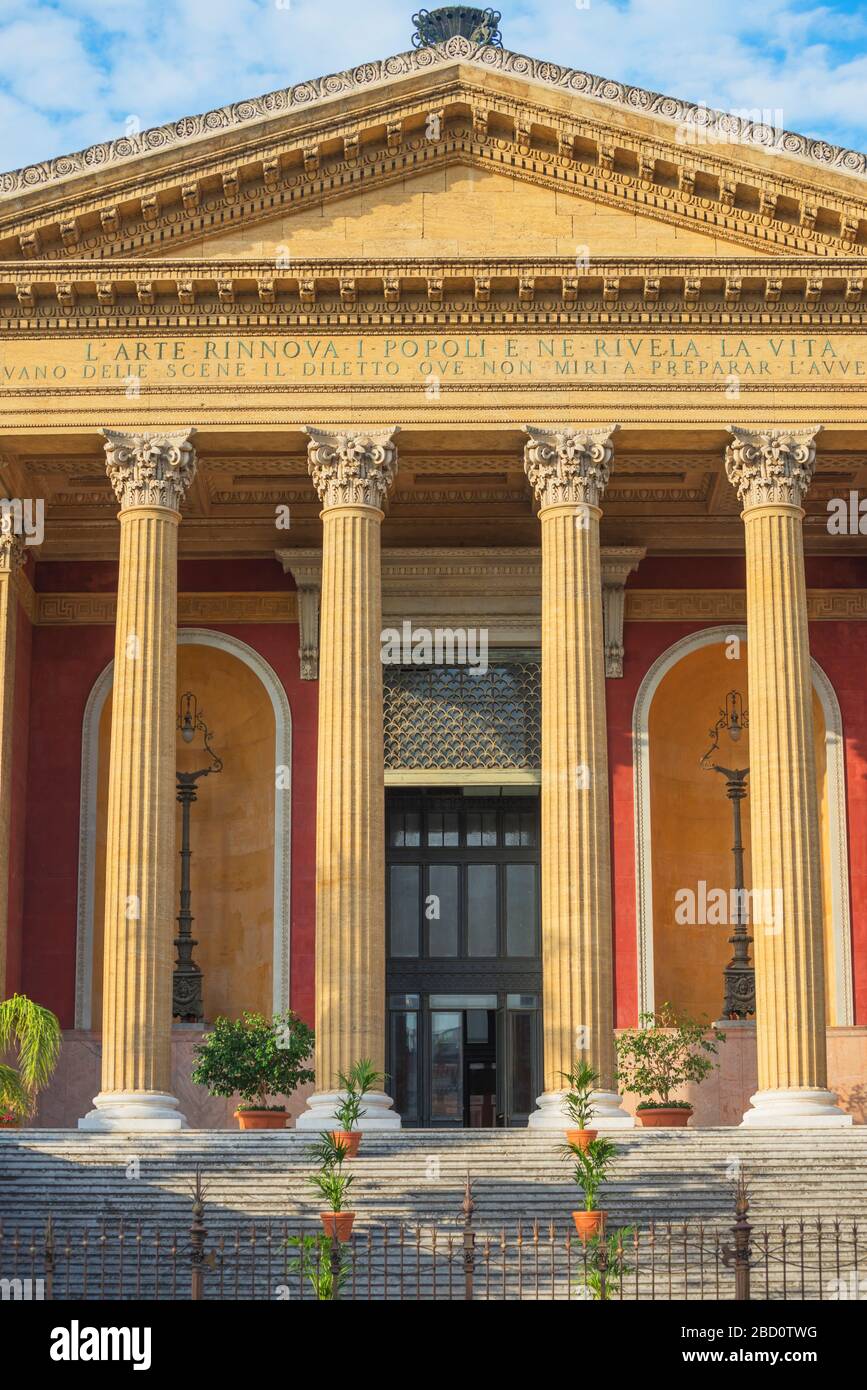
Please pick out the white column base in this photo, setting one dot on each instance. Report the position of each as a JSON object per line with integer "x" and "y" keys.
{"x": 608, "y": 1112}
{"x": 800, "y": 1107}
{"x": 134, "y": 1112}
{"x": 321, "y": 1107}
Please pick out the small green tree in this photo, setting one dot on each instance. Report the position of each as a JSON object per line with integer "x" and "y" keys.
{"x": 255, "y": 1057}
{"x": 34, "y": 1033}
{"x": 609, "y": 1251}
{"x": 665, "y": 1052}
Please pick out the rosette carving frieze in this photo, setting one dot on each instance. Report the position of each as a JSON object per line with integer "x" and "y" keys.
{"x": 771, "y": 466}
{"x": 569, "y": 465}
{"x": 150, "y": 470}
{"x": 352, "y": 467}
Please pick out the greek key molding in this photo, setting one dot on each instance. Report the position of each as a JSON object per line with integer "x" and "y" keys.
{"x": 352, "y": 467}
{"x": 730, "y": 605}
{"x": 569, "y": 465}
{"x": 69, "y": 610}
{"x": 771, "y": 466}
{"x": 150, "y": 469}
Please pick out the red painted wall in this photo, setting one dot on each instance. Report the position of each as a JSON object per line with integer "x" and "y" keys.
{"x": 65, "y": 664}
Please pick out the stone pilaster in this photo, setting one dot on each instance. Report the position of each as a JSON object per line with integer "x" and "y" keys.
{"x": 771, "y": 470}
{"x": 150, "y": 474}
{"x": 352, "y": 472}
{"x": 568, "y": 470}
{"x": 618, "y": 562}
{"x": 11, "y": 560}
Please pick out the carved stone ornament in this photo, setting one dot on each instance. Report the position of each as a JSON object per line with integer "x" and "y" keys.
{"x": 352, "y": 468}
{"x": 12, "y": 551}
{"x": 569, "y": 465}
{"x": 771, "y": 465}
{"x": 150, "y": 470}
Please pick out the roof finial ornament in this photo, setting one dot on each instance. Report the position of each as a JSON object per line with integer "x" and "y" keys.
{"x": 437, "y": 26}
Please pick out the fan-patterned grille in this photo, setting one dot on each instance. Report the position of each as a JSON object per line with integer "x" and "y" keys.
{"x": 447, "y": 717}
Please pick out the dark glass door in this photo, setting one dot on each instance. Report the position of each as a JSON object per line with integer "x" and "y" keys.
{"x": 464, "y": 975}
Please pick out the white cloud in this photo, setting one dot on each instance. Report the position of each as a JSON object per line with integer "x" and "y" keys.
{"x": 73, "y": 71}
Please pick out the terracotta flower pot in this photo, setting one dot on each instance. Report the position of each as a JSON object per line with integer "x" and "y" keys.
{"x": 581, "y": 1137}
{"x": 261, "y": 1119}
{"x": 9, "y": 1121}
{"x": 666, "y": 1116}
{"x": 589, "y": 1223}
{"x": 337, "y": 1223}
{"x": 350, "y": 1138}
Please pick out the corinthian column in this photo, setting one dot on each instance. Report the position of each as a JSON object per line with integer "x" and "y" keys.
{"x": 150, "y": 474}
{"x": 568, "y": 470}
{"x": 352, "y": 473}
{"x": 771, "y": 470}
{"x": 11, "y": 560}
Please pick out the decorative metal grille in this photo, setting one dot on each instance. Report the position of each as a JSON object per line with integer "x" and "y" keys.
{"x": 447, "y": 717}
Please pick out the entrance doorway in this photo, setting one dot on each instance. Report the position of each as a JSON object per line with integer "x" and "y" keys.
{"x": 463, "y": 974}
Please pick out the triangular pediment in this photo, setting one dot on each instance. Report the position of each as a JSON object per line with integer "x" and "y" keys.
{"x": 469, "y": 135}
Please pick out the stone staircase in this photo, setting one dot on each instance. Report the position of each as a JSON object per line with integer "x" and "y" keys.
{"x": 257, "y": 1190}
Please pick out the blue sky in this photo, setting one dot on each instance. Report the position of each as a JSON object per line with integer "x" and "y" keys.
{"x": 73, "y": 72}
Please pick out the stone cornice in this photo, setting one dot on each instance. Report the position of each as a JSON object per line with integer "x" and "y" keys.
{"x": 363, "y": 295}
{"x": 243, "y": 115}
{"x": 172, "y": 192}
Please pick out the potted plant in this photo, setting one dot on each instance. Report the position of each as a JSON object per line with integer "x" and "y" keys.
{"x": 34, "y": 1033}
{"x": 354, "y": 1086}
{"x": 591, "y": 1167}
{"x": 579, "y": 1106}
{"x": 665, "y": 1052}
{"x": 313, "y": 1263}
{"x": 256, "y": 1058}
{"x": 333, "y": 1184}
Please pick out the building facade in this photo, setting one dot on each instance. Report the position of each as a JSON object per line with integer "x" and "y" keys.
{"x": 470, "y": 436}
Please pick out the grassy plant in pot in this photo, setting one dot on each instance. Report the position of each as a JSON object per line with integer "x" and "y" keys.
{"x": 355, "y": 1084}
{"x": 255, "y": 1058}
{"x": 34, "y": 1033}
{"x": 591, "y": 1167}
{"x": 333, "y": 1184}
{"x": 664, "y": 1053}
{"x": 577, "y": 1100}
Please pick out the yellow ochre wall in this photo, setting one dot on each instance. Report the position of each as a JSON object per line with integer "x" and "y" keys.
{"x": 232, "y": 835}
{"x": 691, "y": 826}
{"x": 459, "y": 211}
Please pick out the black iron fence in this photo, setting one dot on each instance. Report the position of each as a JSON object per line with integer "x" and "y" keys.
{"x": 117, "y": 1259}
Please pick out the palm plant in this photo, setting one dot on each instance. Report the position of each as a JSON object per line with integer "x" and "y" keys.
{"x": 605, "y": 1252}
{"x": 577, "y": 1100}
{"x": 591, "y": 1167}
{"x": 331, "y": 1182}
{"x": 34, "y": 1033}
{"x": 354, "y": 1086}
{"x": 313, "y": 1263}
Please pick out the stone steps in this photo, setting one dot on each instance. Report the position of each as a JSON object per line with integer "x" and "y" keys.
{"x": 676, "y": 1187}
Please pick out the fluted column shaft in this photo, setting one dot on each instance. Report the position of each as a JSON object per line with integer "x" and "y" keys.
{"x": 150, "y": 475}
{"x": 771, "y": 471}
{"x": 568, "y": 471}
{"x": 352, "y": 474}
{"x": 11, "y": 560}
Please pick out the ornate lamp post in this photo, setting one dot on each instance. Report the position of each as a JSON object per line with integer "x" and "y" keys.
{"x": 739, "y": 976}
{"x": 187, "y": 979}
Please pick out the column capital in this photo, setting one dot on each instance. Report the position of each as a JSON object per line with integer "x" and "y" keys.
{"x": 150, "y": 469}
{"x": 569, "y": 465}
{"x": 772, "y": 465}
{"x": 12, "y": 551}
{"x": 352, "y": 467}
